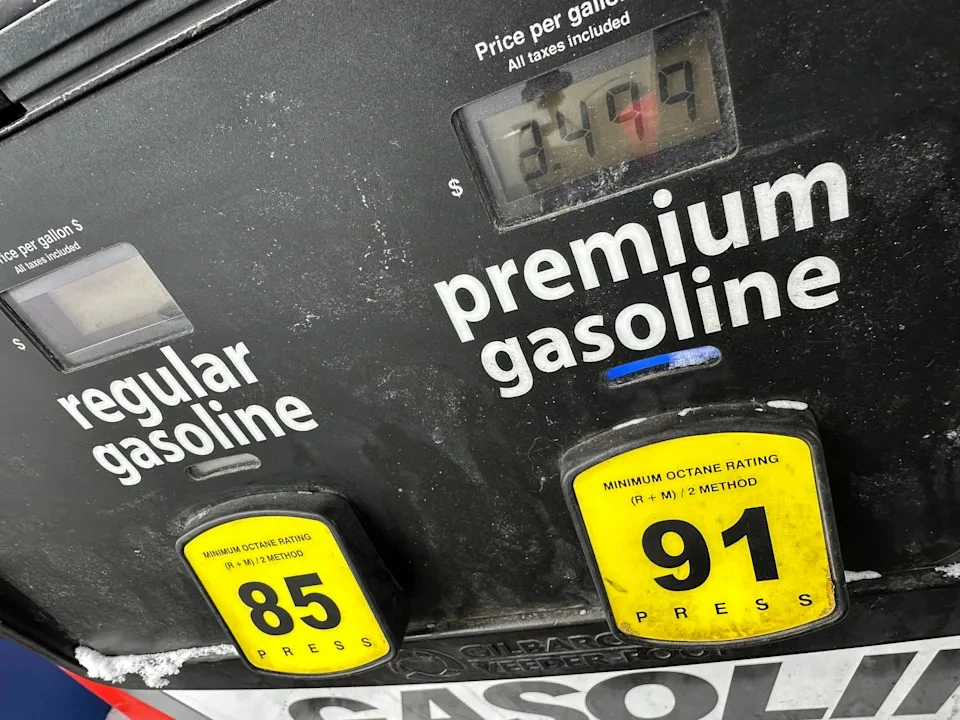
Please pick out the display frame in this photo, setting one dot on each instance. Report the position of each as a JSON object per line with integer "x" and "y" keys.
{"x": 613, "y": 180}
{"x": 112, "y": 343}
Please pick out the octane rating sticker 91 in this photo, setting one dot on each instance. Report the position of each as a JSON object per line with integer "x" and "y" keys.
{"x": 285, "y": 591}
{"x": 709, "y": 538}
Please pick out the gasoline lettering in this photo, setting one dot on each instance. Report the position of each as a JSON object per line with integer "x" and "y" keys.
{"x": 681, "y": 305}
{"x": 146, "y": 396}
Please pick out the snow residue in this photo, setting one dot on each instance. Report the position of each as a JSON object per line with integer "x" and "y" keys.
{"x": 154, "y": 668}
{"x": 687, "y": 411}
{"x": 788, "y": 404}
{"x": 706, "y": 355}
{"x": 855, "y": 575}
{"x": 951, "y": 571}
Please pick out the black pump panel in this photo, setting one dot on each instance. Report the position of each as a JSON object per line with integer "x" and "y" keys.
{"x": 319, "y": 263}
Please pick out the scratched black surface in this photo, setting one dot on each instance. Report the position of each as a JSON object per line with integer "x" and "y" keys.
{"x": 286, "y": 177}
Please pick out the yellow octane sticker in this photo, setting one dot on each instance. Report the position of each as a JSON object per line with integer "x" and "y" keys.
{"x": 285, "y": 590}
{"x": 709, "y": 538}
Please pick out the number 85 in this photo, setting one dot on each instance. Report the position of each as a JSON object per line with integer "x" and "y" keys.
{"x": 270, "y": 605}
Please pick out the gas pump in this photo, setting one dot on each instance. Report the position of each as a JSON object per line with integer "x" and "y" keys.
{"x": 585, "y": 360}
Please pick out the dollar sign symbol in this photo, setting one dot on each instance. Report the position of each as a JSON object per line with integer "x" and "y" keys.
{"x": 455, "y": 188}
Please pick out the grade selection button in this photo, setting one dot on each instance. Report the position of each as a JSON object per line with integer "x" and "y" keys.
{"x": 287, "y": 589}
{"x": 709, "y": 538}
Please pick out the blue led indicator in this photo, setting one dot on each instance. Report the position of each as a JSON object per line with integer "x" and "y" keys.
{"x": 651, "y": 367}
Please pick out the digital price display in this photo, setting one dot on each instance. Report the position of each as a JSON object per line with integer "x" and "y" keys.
{"x": 651, "y": 106}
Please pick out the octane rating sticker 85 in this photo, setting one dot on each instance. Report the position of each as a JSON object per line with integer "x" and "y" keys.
{"x": 284, "y": 589}
{"x": 709, "y": 538}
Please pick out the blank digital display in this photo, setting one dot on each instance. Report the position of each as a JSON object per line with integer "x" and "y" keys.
{"x": 650, "y": 106}
{"x": 96, "y": 308}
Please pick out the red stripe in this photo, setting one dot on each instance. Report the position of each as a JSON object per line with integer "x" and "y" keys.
{"x": 127, "y": 704}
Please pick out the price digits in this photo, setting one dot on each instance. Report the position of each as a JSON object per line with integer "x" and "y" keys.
{"x": 752, "y": 527}
{"x": 271, "y": 619}
{"x": 623, "y": 106}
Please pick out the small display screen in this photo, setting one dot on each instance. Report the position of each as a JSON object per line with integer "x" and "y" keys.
{"x": 635, "y": 109}
{"x": 607, "y": 115}
{"x": 98, "y": 307}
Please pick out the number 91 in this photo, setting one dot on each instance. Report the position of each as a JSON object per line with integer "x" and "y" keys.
{"x": 751, "y": 526}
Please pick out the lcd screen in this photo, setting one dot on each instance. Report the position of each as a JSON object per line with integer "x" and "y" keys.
{"x": 604, "y": 123}
{"x": 101, "y": 306}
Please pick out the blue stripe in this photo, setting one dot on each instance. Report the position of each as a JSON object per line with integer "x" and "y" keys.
{"x": 705, "y": 355}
